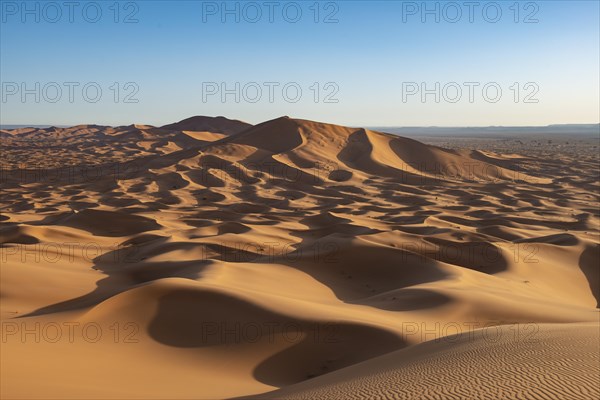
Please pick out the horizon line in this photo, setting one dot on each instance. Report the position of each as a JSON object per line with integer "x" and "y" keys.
{"x": 42, "y": 126}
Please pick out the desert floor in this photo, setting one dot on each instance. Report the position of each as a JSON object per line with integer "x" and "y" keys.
{"x": 294, "y": 259}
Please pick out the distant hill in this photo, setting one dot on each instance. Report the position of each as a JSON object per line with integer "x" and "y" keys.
{"x": 587, "y": 130}
{"x": 209, "y": 124}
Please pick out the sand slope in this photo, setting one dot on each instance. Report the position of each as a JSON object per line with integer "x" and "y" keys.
{"x": 219, "y": 260}
{"x": 552, "y": 361}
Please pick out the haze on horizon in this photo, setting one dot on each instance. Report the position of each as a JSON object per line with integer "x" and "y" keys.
{"x": 574, "y": 128}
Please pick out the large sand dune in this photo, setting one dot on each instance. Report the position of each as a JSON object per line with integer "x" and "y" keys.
{"x": 214, "y": 259}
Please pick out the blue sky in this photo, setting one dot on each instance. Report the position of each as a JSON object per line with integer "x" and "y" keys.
{"x": 347, "y": 62}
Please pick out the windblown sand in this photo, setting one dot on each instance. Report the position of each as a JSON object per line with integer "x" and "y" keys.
{"x": 294, "y": 259}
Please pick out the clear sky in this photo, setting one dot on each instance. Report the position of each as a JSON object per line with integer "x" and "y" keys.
{"x": 368, "y": 63}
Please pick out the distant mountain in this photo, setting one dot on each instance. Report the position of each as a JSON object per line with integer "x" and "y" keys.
{"x": 587, "y": 130}
{"x": 10, "y": 127}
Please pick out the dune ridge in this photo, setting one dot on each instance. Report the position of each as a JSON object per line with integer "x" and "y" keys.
{"x": 292, "y": 259}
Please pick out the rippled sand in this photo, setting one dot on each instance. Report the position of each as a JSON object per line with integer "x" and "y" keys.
{"x": 214, "y": 259}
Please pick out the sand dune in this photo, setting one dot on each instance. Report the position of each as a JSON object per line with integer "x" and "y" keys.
{"x": 489, "y": 364}
{"x": 208, "y": 124}
{"x": 293, "y": 259}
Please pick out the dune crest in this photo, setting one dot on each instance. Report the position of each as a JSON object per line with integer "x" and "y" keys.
{"x": 292, "y": 259}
